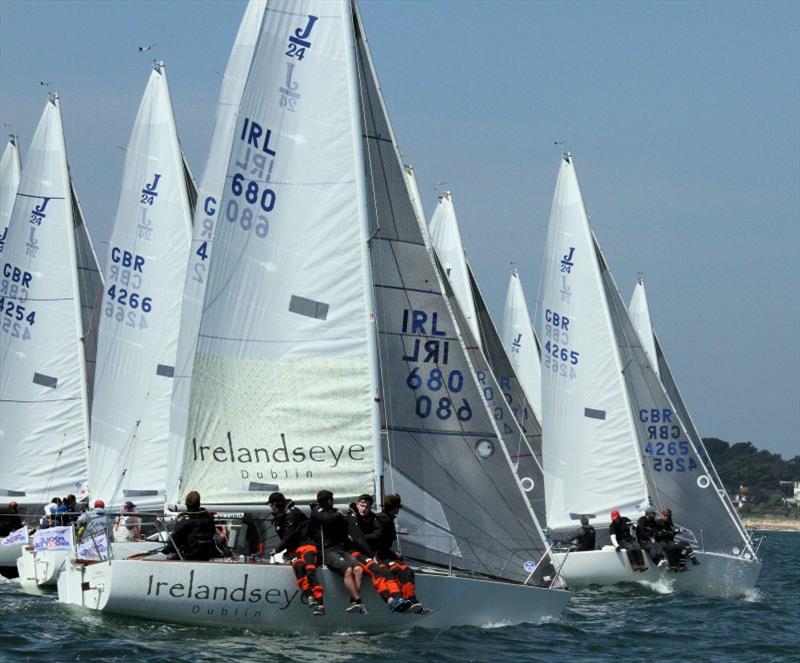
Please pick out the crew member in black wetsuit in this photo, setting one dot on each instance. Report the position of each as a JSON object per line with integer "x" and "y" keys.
{"x": 675, "y": 549}
{"x": 646, "y": 530}
{"x": 194, "y": 533}
{"x": 620, "y": 532}
{"x": 583, "y": 538}
{"x": 294, "y": 529}
{"x": 332, "y": 529}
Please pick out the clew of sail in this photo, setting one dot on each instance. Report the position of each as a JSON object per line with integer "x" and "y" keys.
{"x": 685, "y": 460}
{"x": 209, "y": 194}
{"x": 443, "y": 452}
{"x": 140, "y": 313}
{"x": 43, "y": 390}
{"x": 591, "y": 456}
{"x": 10, "y": 172}
{"x": 281, "y": 394}
{"x": 521, "y": 344}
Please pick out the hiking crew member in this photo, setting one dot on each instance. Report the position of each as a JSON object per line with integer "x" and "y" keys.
{"x": 194, "y": 533}
{"x": 128, "y": 526}
{"x": 9, "y": 519}
{"x": 381, "y": 543}
{"x": 584, "y": 538}
{"x": 646, "y": 529}
{"x": 620, "y": 532}
{"x": 292, "y": 527}
{"x": 93, "y": 523}
{"x": 332, "y": 529}
{"x": 675, "y": 549}
{"x": 383, "y": 580}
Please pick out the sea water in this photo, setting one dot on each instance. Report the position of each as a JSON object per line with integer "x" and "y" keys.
{"x": 627, "y": 622}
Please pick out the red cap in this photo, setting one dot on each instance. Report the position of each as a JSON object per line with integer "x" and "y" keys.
{"x": 99, "y": 504}
{"x": 614, "y": 514}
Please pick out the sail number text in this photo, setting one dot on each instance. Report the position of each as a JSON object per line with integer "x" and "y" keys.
{"x": 16, "y": 318}
{"x": 667, "y": 452}
{"x": 557, "y": 356}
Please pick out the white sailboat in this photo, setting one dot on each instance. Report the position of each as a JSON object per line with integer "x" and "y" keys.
{"x": 10, "y": 173}
{"x": 50, "y": 286}
{"x": 521, "y": 344}
{"x": 329, "y": 355}
{"x": 207, "y": 212}
{"x": 612, "y": 437}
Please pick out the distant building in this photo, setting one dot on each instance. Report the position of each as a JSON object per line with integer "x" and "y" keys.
{"x": 791, "y": 491}
{"x": 741, "y": 497}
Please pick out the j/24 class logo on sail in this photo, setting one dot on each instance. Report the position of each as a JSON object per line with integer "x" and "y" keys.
{"x": 430, "y": 376}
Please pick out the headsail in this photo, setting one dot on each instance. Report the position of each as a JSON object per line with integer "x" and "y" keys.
{"x": 443, "y": 452}
{"x": 521, "y": 344}
{"x": 43, "y": 388}
{"x": 205, "y": 218}
{"x": 140, "y": 315}
{"x": 591, "y": 456}
{"x": 413, "y": 191}
{"x": 10, "y": 172}
{"x": 640, "y": 317}
{"x": 282, "y": 395}
{"x": 446, "y": 239}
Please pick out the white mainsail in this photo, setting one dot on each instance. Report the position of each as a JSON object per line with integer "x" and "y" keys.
{"x": 591, "y": 455}
{"x": 413, "y": 191}
{"x": 521, "y": 344}
{"x": 446, "y": 239}
{"x": 640, "y": 317}
{"x": 282, "y": 392}
{"x": 44, "y": 411}
{"x": 206, "y": 214}
{"x": 140, "y": 315}
{"x": 10, "y": 172}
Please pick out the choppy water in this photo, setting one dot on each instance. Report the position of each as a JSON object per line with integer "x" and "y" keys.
{"x": 628, "y": 623}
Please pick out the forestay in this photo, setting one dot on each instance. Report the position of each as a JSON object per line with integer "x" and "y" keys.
{"x": 44, "y": 418}
{"x": 10, "y": 171}
{"x": 640, "y": 317}
{"x": 688, "y": 427}
{"x": 212, "y": 184}
{"x": 281, "y": 395}
{"x": 521, "y": 344}
{"x": 677, "y": 476}
{"x": 446, "y": 239}
{"x": 443, "y": 452}
{"x": 140, "y": 315}
{"x": 591, "y": 456}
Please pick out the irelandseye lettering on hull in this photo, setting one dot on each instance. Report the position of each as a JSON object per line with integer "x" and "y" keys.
{"x": 327, "y": 454}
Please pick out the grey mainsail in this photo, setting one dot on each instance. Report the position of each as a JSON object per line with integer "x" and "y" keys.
{"x": 442, "y": 449}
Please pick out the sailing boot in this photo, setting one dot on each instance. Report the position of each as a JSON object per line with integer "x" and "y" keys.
{"x": 319, "y": 610}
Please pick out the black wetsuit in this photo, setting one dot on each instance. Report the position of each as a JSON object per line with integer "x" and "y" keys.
{"x": 646, "y": 534}
{"x": 194, "y": 536}
{"x": 293, "y": 528}
{"x": 336, "y": 534}
{"x": 675, "y": 549}
{"x": 584, "y": 538}
{"x": 621, "y": 530}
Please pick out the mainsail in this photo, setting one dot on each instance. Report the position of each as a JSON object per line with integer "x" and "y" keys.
{"x": 205, "y": 218}
{"x": 639, "y": 301}
{"x": 413, "y": 191}
{"x": 521, "y": 344}
{"x": 44, "y": 417}
{"x": 140, "y": 315}
{"x": 640, "y": 317}
{"x": 446, "y": 239}
{"x": 442, "y": 450}
{"x": 591, "y": 455}
{"x": 10, "y": 172}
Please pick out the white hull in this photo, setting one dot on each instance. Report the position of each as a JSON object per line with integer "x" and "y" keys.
{"x": 717, "y": 575}
{"x": 264, "y": 597}
{"x": 42, "y": 568}
{"x": 8, "y": 560}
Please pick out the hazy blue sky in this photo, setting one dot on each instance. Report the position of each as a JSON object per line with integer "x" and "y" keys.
{"x": 684, "y": 120}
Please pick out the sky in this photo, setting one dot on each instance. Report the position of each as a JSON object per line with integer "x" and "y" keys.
{"x": 683, "y": 119}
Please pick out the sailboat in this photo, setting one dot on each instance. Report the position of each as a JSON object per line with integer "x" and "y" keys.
{"x": 640, "y": 317}
{"x": 330, "y": 356}
{"x": 521, "y": 344}
{"x": 613, "y": 438}
{"x": 10, "y": 172}
{"x": 51, "y": 284}
{"x": 206, "y": 215}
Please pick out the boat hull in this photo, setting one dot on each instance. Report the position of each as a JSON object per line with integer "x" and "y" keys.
{"x": 717, "y": 574}
{"x": 265, "y": 598}
{"x": 42, "y": 568}
{"x": 8, "y": 560}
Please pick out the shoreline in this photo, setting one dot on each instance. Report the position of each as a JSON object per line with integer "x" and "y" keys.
{"x": 775, "y": 524}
